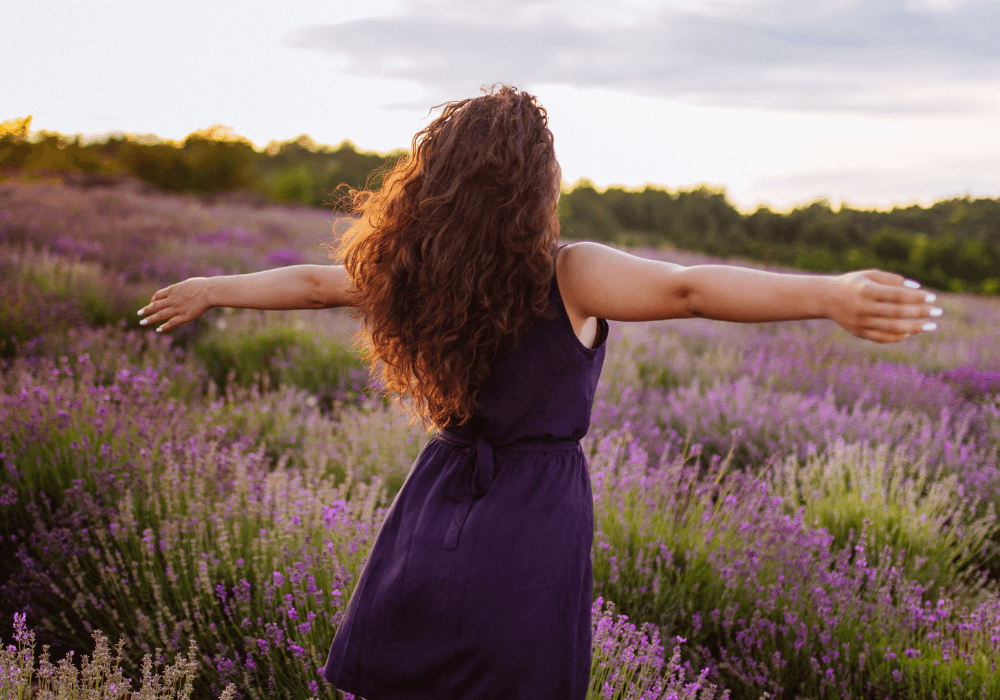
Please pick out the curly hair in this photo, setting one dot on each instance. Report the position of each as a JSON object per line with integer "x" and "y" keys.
{"x": 452, "y": 258}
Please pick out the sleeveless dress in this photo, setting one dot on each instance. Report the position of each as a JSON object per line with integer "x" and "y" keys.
{"x": 479, "y": 585}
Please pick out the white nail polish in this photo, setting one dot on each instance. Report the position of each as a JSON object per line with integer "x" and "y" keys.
{"x": 929, "y": 326}
{"x": 139, "y": 312}
{"x": 143, "y": 322}
{"x": 935, "y": 311}
{"x": 929, "y": 298}
{"x": 911, "y": 284}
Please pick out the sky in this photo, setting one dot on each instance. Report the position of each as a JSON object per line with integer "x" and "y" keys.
{"x": 872, "y": 103}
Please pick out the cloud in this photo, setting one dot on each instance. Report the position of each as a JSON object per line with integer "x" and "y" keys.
{"x": 875, "y": 56}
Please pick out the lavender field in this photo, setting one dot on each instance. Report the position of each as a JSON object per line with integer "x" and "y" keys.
{"x": 780, "y": 509}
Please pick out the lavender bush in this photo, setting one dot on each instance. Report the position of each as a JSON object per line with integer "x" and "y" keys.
{"x": 628, "y": 663}
{"x": 97, "y": 679}
{"x": 196, "y": 490}
{"x": 773, "y": 603}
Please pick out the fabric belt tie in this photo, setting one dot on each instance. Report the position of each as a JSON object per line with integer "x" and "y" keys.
{"x": 473, "y": 479}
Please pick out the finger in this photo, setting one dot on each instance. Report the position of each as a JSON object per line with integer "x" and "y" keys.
{"x": 888, "y": 310}
{"x": 161, "y": 315}
{"x": 882, "y": 336}
{"x": 896, "y": 326}
{"x": 153, "y": 307}
{"x": 171, "y": 324}
{"x": 882, "y": 277}
{"x": 160, "y": 294}
{"x": 896, "y": 295}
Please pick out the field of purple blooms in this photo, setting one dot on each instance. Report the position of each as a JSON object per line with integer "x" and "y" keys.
{"x": 780, "y": 509}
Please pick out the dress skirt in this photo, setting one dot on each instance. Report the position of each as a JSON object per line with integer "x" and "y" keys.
{"x": 480, "y": 584}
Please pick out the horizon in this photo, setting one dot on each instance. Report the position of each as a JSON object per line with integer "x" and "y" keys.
{"x": 835, "y": 206}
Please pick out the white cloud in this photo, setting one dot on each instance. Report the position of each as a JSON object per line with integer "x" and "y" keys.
{"x": 940, "y": 5}
{"x": 875, "y": 56}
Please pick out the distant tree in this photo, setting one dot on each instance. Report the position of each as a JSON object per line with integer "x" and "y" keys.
{"x": 890, "y": 243}
{"x": 14, "y": 148}
{"x": 584, "y": 214}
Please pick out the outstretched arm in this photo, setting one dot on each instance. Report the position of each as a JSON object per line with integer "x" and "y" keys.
{"x": 603, "y": 282}
{"x": 295, "y": 287}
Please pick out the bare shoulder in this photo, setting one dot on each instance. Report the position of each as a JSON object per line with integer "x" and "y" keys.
{"x": 600, "y": 281}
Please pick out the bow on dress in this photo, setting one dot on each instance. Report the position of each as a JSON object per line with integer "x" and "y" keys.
{"x": 473, "y": 477}
{"x": 468, "y": 484}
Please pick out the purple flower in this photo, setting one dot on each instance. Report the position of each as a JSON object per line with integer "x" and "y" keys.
{"x": 284, "y": 257}
{"x": 241, "y": 591}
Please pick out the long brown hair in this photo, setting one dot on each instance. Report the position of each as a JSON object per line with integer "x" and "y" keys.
{"x": 452, "y": 257}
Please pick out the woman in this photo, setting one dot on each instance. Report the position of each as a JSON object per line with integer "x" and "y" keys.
{"x": 479, "y": 584}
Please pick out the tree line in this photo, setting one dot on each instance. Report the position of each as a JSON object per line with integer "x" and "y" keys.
{"x": 210, "y": 160}
{"x": 952, "y": 245}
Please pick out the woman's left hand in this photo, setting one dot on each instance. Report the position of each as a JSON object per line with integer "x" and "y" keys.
{"x": 879, "y": 306}
{"x": 178, "y": 303}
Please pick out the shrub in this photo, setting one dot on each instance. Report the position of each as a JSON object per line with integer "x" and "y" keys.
{"x": 627, "y": 663}
{"x": 97, "y": 679}
{"x": 276, "y": 355}
{"x": 933, "y": 524}
{"x": 50, "y": 293}
{"x": 770, "y": 603}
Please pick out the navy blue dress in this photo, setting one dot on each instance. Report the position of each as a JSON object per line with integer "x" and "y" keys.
{"x": 480, "y": 584}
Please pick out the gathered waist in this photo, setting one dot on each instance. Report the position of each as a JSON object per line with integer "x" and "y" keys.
{"x": 517, "y": 446}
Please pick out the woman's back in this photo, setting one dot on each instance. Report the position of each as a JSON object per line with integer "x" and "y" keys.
{"x": 543, "y": 389}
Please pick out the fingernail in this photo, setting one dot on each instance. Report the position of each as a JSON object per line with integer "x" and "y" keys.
{"x": 927, "y": 326}
{"x": 929, "y": 298}
{"x": 935, "y": 311}
{"x": 140, "y": 311}
{"x": 911, "y": 284}
{"x": 143, "y": 322}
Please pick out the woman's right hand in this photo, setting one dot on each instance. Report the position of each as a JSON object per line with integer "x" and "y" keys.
{"x": 178, "y": 303}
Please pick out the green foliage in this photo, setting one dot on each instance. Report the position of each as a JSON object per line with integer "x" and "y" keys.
{"x": 209, "y": 160}
{"x": 302, "y": 171}
{"x": 48, "y": 151}
{"x": 585, "y": 215}
{"x": 294, "y": 184}
{"x": 276, "y": 355}
{"x": 907, "y": 509}
{"x": 203, "y": 163}
{"x": 14, "y": 149}
{"x": 892, "y": 244}
{"x": 45, "y": 293}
